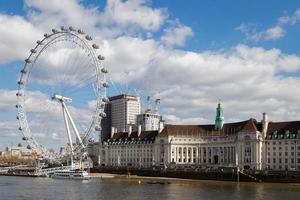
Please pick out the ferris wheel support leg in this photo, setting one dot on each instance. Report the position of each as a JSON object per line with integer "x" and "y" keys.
{"x": 69, "y": 134}
{"x": 73, "y": 125}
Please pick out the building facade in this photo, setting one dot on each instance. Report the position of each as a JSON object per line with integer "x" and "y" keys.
{"x": 121, "y": 112}
{"x": 247, "y": 144}
{"x": 150, "y": 120}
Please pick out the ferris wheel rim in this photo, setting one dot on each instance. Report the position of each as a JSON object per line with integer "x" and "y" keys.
{"x": 22, "y": 83}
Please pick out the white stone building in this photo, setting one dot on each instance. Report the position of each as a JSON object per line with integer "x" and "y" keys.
{"x": 247, "y": 144}
{"x": 129, "y": 149}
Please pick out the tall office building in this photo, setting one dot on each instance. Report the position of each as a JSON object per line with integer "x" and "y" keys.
{"x": 121, "y": 111}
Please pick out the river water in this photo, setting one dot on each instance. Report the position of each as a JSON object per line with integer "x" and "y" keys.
{"x": 46, "y": 188}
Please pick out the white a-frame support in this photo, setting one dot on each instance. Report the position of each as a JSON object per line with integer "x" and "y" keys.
{"x": 67, "y": 118}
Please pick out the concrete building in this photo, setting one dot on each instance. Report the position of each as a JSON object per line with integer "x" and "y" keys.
{"x": 19, "y": 152}
{"x": 150, "y": 120}
{"x": 121, "y": 112}
{"x": 247, "y": 144}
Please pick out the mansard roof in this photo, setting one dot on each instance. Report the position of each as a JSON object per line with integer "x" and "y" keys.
{"x": 209, "y": 130}
{"x": 144, "y": 136}
{"x": 291, "y": 127}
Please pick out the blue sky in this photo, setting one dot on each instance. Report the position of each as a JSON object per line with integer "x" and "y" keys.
{"x": 213, "y": 22}
{"x": 187, "y": 53}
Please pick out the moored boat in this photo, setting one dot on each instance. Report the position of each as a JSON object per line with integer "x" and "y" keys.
{"x": 71, "y": 174}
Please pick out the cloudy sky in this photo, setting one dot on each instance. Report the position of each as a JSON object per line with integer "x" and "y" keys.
{"x": 187, "y": 53}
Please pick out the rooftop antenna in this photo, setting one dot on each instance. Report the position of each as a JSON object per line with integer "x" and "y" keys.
{"x": 157, "y": 102}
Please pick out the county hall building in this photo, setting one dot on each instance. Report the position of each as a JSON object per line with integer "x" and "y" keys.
{"x": 250, "y": 144}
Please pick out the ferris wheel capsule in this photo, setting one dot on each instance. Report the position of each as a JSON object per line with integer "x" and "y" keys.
{"x": 95, "y": 46}
{"x": 71, "y": 28}
{"x": 103, "y": 114}
{"x": 104, "y": 70}
{"x": 80, "y": 31}
{"x": 39, "y": 42}
{"x": 62, "y": 28}
{"x": 98, "y": 128}
{"x": 27, "y": 60}
{"x": 54, "y": 30}
{"x": 105, "y": 100}
{"x": 100, "y": 57}
{"x": 46, "y": 35}
{"x": 105, "y": 85}
{"x": 33, "y": 51}
{"x": 88, "y": 37}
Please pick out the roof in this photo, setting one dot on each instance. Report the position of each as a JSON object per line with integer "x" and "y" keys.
{"x": 122, "y": 96}
{"x": 282, "y": 127}
{"x": 250, "y": 125}
{"x": 144, "y": 136}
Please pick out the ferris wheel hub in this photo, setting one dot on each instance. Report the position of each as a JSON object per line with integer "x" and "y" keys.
{"x": 61, "y": 98}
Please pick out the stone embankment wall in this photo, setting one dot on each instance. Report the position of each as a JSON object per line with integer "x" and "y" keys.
{"x": 230, "y": 175}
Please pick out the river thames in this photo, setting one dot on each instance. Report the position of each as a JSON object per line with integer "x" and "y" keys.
{"x": 16, "y": 188}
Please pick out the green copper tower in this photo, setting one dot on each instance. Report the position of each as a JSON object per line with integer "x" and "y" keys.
{"x": 219, "y": 117}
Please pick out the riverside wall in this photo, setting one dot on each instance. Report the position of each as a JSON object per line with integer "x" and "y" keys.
{"x": 224, "y": 175}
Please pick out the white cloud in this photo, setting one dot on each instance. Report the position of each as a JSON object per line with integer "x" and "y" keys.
{"x": 17, "y": 38}
{"x": 290, "y": 20}
{"x": 55, "y": 13}
{"x": 176, "y": 35}
{"x": 274, "y": 33}
{"x": 251, "y": 32}
{"x": 128, "y": 14}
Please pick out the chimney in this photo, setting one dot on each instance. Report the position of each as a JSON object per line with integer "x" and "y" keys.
{"x": 129, "y": 130}
{"x": 265, "y": 123}
{"x": 139, "y": 130}
{"x": 112, "y": 132}
{"x": 161, "y": 126}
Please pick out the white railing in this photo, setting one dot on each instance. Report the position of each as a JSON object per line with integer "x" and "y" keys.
{"x": 76, "y": 166}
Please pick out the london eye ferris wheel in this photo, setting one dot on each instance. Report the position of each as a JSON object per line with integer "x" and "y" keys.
{"x": 62, "y": 92}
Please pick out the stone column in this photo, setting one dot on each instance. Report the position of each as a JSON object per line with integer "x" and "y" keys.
{"x": 192, "y": 155}
{"x": 197, "y": 155}
{"x": 186, "y": 154}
